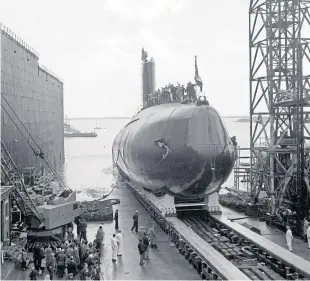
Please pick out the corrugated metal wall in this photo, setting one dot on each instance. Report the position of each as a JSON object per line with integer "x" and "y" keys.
{"x": 37, "y": 98}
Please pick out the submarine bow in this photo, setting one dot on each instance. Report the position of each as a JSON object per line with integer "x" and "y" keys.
{"x": 180, "y": 149}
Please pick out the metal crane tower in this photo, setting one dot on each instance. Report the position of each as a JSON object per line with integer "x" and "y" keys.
{"x": 279, "y": 98}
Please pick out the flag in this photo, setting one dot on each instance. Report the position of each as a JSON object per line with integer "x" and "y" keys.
{"x": 197, "y": 77}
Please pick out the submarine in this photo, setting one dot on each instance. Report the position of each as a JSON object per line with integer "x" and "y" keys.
{"x": 178, "y": 153}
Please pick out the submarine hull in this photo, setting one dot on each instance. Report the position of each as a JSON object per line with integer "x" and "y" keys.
{"x": 183, "y": 150}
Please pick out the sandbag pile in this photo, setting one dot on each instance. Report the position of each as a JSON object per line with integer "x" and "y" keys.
{"x": 98, "y": 210}
{"x": 235, "y": 202}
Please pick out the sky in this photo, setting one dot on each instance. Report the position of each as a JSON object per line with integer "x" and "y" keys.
{"x": 95, "y": 47}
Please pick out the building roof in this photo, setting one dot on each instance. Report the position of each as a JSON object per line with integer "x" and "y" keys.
{"x": 5, "y": 190}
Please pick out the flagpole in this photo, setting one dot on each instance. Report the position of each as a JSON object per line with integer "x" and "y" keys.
{"x": 198, "y": 80}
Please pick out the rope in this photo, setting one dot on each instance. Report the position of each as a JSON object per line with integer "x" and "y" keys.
{"x": 107, "y": 195}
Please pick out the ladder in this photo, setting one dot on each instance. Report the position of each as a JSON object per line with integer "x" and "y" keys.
{"x": 19, "y": 192}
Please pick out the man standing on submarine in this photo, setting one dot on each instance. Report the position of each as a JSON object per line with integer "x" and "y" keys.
{"x": 135, "y": 222}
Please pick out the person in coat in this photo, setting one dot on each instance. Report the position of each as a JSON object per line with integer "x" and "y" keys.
{"x": 71, "y": 266}
{"x": 141, "y": 233}
{"x": 119, "y": 239}
{"x": 97, "y": 274}
{"x": 114, "y": 248}
{"x": 308, "y": 236}
{"x": 37, "y": 256}
{"x": 70, "y": 251}
{"x": 306, "y": 225}
{"x": 289, "y": 238}
{"x": 141, "y": 249}
{"x": 146, "y": 243}
{"x": 100, "y": 237}
{"x": 135, "y": 218}
{"x": 83, "y": 226}
{"x": 76, "y": 256}
{"x": 153, "y": 237}
{"x": 23, "y": 259}
{"x": 61, "y": 263}
{"x": 116, "y": 219}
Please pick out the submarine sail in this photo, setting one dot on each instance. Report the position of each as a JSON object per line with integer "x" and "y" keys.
{"x": 181, "y": 149}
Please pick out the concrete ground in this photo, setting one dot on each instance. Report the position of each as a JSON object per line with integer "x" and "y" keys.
{"x": 166, "y": 262}
{"x": 300, "y": 248}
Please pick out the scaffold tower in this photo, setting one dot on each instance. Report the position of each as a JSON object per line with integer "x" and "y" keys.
{"x": 279, "y": 102}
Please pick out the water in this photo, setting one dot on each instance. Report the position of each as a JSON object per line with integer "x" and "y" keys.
{"x": 88, "y": 167}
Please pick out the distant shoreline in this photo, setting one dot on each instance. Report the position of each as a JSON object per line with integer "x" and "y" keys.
{"x": 93, "y": 118}
{"x": 98, "y": 118}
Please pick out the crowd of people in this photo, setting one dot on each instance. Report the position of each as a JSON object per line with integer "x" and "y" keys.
{"x": 173, "y": 93}
{"x": 74, "y": 256}
{"x": 77, "y": 256}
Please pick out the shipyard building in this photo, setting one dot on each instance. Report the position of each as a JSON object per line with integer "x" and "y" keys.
{"x": 36, "y": 96}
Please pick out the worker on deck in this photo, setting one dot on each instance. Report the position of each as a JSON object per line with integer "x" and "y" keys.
{"x": 305, "y": 228}
{"x": 119, "y": 239}
{"x": 289, "y": 238}
{"x": 180, "y": 93}
{"x": 116, "y": 219}
{"x": 191, "y": 93}
{"x": 135, "y": 218}
{"x": 114, "y": 248}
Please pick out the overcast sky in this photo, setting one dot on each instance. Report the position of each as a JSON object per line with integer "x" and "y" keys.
{"x": 95, "y": 47}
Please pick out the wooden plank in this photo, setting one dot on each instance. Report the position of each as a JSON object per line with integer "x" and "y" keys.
{"x": 260, "y": 274}
{"x": 222, "y": 267}
{"x": 250, "y": 274}
{"x": 299, "y": 264}
{"x": 271, "y": 274}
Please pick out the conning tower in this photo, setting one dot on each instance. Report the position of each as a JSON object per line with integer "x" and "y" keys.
{"x": 148, "y": 77}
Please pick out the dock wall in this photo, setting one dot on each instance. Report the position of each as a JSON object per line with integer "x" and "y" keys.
{"x": 36, "y": 95}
